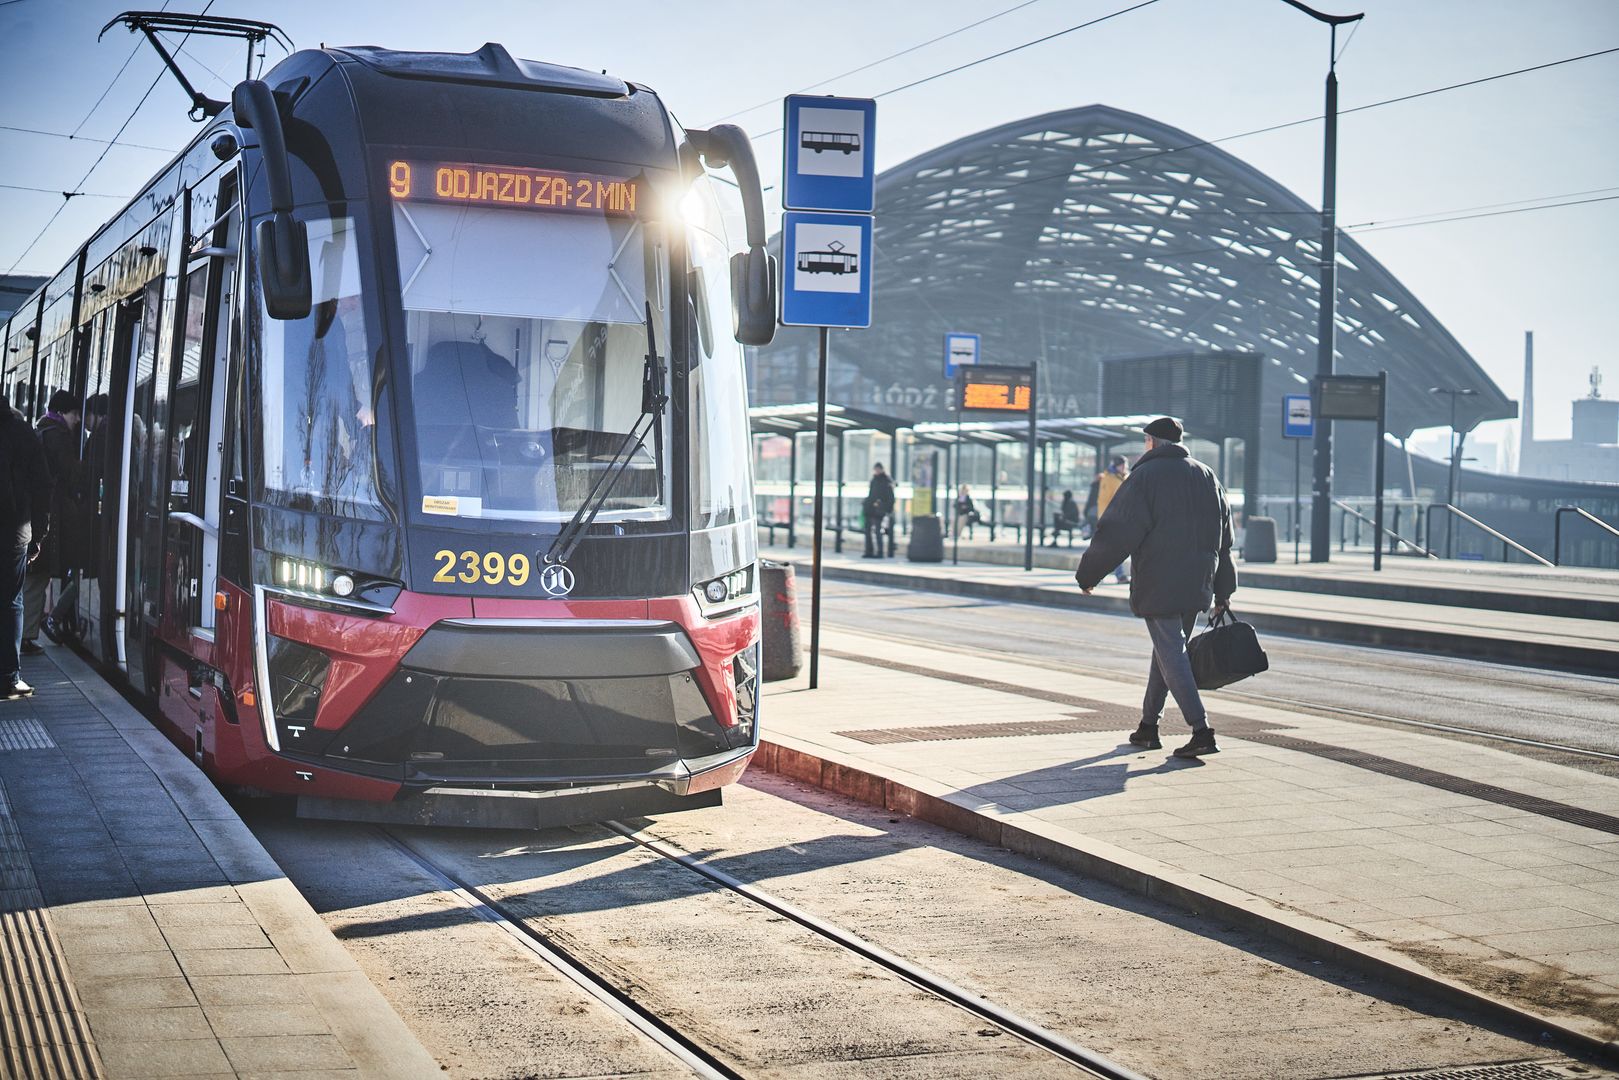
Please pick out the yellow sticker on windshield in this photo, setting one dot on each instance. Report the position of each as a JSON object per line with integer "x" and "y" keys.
{"x": 441, "y": 504}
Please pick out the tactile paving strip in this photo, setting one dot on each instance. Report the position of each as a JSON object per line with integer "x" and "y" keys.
{"x": 24, "y": 733}
{"x": 43, "y": 1033}
{"x": 1517, "y": 1070}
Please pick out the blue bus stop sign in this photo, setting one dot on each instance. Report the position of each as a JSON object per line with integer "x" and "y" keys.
{"x": 829, "y": 160}
{"x": 825, "y": 269}
{"x": 959, "y": 350}
{"x": 1298, "y": 421}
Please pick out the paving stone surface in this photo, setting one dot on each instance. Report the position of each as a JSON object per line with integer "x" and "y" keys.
{"x": 178, "y": 936}
{"x": 1505, "y": 899}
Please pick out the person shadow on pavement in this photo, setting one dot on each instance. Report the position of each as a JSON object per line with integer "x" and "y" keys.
{"x": 1075, "y": 781}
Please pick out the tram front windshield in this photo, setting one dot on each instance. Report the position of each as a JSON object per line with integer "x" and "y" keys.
{"x": 527, "y": 341}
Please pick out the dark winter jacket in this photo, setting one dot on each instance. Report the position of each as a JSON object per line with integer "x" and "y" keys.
{"x": 25, "y": 489}
{"x": 880, "y": 496}
{"x": 1171, "y": 518}
{"x": 67, "y": 545}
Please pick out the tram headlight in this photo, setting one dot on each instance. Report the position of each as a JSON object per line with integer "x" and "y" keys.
{"x": 725, "y": 593}
{"x": 343, "y": 585}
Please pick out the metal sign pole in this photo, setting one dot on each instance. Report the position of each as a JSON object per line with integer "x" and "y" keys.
{"x": 1034, "y": 437}
{"x": 1377, "y": 513}
{"x": 820, "y": 477}
{"x": 1298, "y": 509}
{"x": 955, "y": 520}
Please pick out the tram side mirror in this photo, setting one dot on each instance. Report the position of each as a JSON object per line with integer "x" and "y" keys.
{"x": 283, "y": 250}
{"x": 282, "y": 241}
{"x": 753, "y": 296}
{"x": 753, "y": 272}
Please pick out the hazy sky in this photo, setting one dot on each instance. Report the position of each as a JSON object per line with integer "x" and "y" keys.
{"x": 1211, "y": 67}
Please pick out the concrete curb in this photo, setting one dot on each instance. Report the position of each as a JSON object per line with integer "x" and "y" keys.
{"x": 941, "y": 805}
{"x": 369, "y": 1029}
{"x": 1536, "y": 654}
{"x": 1448, "y": 589}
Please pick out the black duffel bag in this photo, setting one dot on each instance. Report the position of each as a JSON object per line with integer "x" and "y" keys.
{"x": 1225, "y": 653}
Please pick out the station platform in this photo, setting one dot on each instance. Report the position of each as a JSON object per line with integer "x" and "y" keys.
{"x": 143, "y": 929}
{"x": 1473, "y": 874}
{"x": 1529, "y": 615}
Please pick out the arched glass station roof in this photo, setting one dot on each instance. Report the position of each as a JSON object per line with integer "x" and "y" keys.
{"x": 1096, "y": 233}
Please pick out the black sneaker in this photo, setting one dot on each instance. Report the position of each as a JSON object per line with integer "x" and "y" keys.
{"x": 31, "y": 648}
{"x": 1146, "y": 736}
{"x": 1202, "y": 743}
{"x": 16, "y": 689}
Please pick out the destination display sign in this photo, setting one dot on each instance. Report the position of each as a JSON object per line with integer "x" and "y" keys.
{"x": 555, "y": 190}
{"x": 995, "y": 389}
{"x": 1349, "y": 397}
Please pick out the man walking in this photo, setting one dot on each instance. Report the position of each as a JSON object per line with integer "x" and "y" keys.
{"x": 1171, "y": 517}
{"x": 25, "y": 501}
{"x": 878, "y": 505}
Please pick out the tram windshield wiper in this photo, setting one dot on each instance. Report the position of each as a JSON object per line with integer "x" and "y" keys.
{"x": 654, "y": 398}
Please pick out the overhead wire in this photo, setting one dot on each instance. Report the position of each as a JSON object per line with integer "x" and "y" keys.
{"x": 67, "y": 197}
{"x": 113, "y": 81}
{"x": 997, "y": 55}
{"x": 86, "y": 138}
{"x": 884, "y": 59}
{"x": 1167, "y": 151}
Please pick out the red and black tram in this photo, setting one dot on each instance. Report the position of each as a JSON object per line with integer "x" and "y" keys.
{"x": 423, "y": 490}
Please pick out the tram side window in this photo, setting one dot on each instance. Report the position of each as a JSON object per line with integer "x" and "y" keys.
{"x": 318, "y": 428}
{"x": 721, "y": 453}
{"x": 187, "y": 399}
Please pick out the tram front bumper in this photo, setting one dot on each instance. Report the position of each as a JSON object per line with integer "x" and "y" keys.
{"x": 544, "y": 706}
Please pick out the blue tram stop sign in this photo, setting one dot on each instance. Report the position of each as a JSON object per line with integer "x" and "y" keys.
{"x": 825, "y": 269}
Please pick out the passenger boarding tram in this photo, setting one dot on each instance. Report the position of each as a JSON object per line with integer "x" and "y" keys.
{"x": 423, "y": 491}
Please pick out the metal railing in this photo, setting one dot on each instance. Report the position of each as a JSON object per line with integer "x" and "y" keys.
{"x": 1557, "y": 528}
{"x": 1506, "y": 541}
{"x": 1351, "y": 512}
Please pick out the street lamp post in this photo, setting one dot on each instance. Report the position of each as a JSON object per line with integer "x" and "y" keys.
{"x": 1455, "y": 462}
{"x": 1326, "y": 332}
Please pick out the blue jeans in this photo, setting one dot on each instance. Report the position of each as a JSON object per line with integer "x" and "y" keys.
{"x": 13, "y": 569}
{"x": 1171, "y": 671}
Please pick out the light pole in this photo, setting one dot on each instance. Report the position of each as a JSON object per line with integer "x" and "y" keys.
{"x": 1455, "y": 461}
{"x": 1326, "y": 332}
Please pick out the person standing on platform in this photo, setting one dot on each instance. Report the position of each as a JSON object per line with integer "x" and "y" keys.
{"x": 59, "y": 436}
{"x": 1172, "y": 517}
{"x": 878, "y": 505}
{"x": 73, "y": 511}
{"x": 25, "y": 506}
{"x": 966, "y": 513}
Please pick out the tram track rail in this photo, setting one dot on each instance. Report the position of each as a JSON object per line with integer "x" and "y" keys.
{"x": 702, "y": 1060}
{"x": 1328, "y": 710}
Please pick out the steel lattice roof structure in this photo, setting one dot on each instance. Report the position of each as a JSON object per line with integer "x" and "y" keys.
{"x": 1097, "y": 233}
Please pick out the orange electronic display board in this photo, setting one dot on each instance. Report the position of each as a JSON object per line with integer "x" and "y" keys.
{"x": 995, "y": 389}
{"x": 555, "y": 190}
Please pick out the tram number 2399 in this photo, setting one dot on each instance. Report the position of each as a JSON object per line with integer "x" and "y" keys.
{"x": 489, "y": 567}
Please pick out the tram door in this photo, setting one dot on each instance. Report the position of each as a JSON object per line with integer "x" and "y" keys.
{"x": 140, "y": 434}
{"x": 191, "y": 555}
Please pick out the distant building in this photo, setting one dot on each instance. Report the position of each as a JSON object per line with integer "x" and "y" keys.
{"x": 14, "y": 289}
{"x": 1590, "y": 454}
{"x": 1093, "y": 235}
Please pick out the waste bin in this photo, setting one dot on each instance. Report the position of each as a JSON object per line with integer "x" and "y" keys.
{"x": 783, "y": 644}
{"x": 927, "y": 539}
{"x": 1259, "y": 543}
